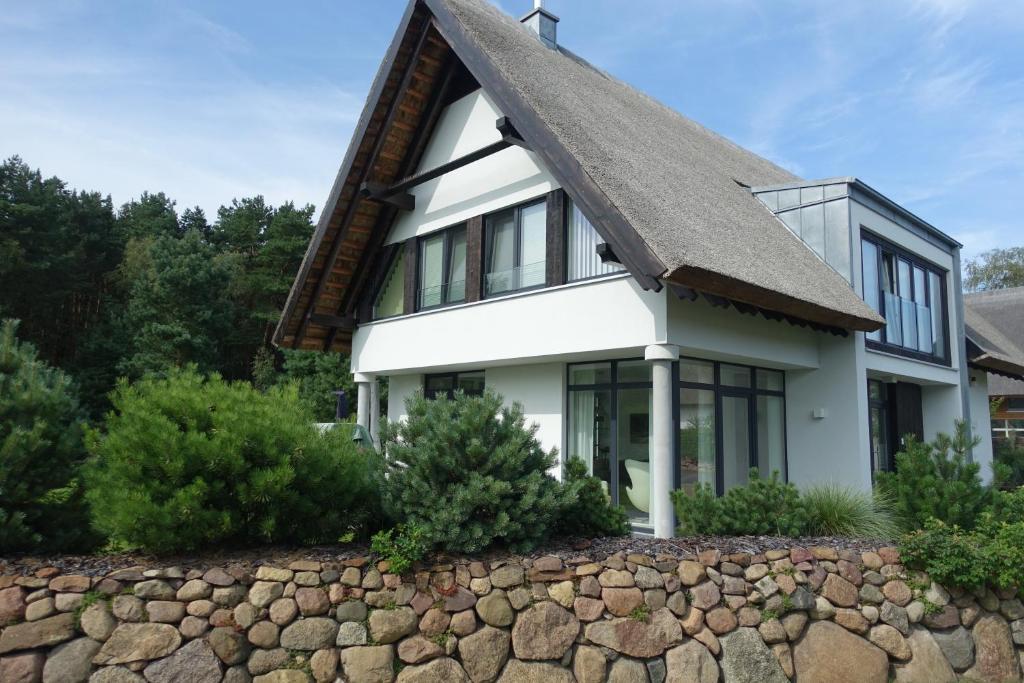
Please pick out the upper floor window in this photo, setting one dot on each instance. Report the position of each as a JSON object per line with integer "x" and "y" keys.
{"x": 581, "y": 242}
{"x": 391, "y": 297}
{"x": 442, "y": 268}
{"x": 909, "y": 294}
{"x": 515, "y": 246}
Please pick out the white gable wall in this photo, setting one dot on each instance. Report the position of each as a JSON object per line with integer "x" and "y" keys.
{"x": 504, "y": 179}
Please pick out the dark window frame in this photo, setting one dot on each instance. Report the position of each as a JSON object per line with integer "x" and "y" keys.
{"x": 897, "y": 253}
{"x": 454, "y": 376}
{"x": 725, "y": 390}
{"x": 517, "y": 255}
{"x": 446, "y": 260}
{"x": 881, "y": 404}
{"x": 613, "y": 387}
{"x": 1014, "y": 404}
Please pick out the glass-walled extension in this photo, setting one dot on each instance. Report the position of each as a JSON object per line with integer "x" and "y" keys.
{"x": 610, "y": 428}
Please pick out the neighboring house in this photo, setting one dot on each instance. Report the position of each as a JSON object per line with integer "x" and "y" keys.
{"x": 995, "y": 341}
{"x": 665, "y": 305}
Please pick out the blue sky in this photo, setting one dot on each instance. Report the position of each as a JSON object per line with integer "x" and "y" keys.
{"x": 922, "y": 99}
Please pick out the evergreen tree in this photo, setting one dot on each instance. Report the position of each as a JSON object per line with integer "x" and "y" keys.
{"x": 179, "y": 310}
{"x": 470, "y": 473}
{"x": 40, "y": 452}
{"x": 996, "y": 269}
{"x": 151, "y": 215}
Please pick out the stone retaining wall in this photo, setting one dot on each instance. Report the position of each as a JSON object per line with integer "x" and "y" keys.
{"x": 811, "y": 615}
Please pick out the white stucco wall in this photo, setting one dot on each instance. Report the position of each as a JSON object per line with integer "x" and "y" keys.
{"x": 540, "y": 389}
{"x": 504, "y": 179}
{"x": 836, "y": 447}
{"x": 981, "y": 422}
{"x": 700, "y": 329}
{"x": 599, "y": 318}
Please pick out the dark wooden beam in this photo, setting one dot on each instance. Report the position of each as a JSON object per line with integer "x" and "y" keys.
{"x": 555, "y": 238}
{"x": 428, "y": 175}
{"x": 474, "y": 258}
{"x": 347, "y": 323}
{"x": 715, "y": 300}
{"x": 606, "y": 253}
{"x": 378, "y": 192}
{"x": 350, "y": 209}
{"x": 683, "y": 292}
{"x": 509, "y": 133}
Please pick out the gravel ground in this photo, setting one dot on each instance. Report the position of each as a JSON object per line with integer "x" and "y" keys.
{"x": 595, "y": 549}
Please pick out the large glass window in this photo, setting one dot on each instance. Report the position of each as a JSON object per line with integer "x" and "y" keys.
{"x": 442, "y": 268}
{"x": 447, "y": 383}
{"x": 879, "y": 426}
{"x": 731, "y": 418}
{"x": 516, "y": 243}
{"x": 581, "y": 242}
{"x": 391, "y": 297}
{"x": 909, "y": 294}
{"x": 610, "y": 427}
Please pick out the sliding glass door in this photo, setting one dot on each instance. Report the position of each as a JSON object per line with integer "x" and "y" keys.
{"x": 610, "y": 427}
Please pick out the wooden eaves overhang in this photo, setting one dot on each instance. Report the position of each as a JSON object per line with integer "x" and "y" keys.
{"x": 346, "y": 261}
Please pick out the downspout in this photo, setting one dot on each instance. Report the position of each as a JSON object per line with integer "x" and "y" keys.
{"x": 961, "y": 337}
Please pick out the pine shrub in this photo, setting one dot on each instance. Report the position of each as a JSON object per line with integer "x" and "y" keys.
{"x": 470, "y": 473}
{"x": 41, "y": 506}
{"x": 189, "y": 462}
{"x": 937, "y": 481}
{"x": 761, "y": 507}
{"x": 587, "y": 510}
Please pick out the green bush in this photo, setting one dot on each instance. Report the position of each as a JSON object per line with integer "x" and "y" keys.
{"x": 470, "y": 473}
{"x": 587, "y": 510}
{"x": 1008, "y": 466}
{"x": 992, "y": 554}
{"x": 41, "y": 506}
{"x": 937, "y": 481}
{"x": 189, "y": 462}
{"x": 401, "y": 546}
{"x": 834, "y": 510}
{"x": 761, "y": 507}
{"x": 949, "y": 554}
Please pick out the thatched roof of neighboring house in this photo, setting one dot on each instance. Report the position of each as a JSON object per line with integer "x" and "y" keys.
{"x": 994, "y": 325}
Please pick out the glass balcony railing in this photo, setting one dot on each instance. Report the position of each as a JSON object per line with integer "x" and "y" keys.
{"x": 523, "y": 277}
{"x": 909, "y": 324}
{"x": 444, "y": 293}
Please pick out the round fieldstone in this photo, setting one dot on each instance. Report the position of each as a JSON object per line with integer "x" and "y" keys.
{"x": 165, "y": 611}
{"x": 193, "y": 627}
{"x": 138, "y": 643}
{"x": 229, "y": 596}
{"x": 897, "y": 592}
{"x": 995, "y": 658}
{"x": 890, "y": 640}
{"x": 128, "y": 608}
{"x": 616, "y": 578}
{"x": 690, "y": 663}
{"x": 265, "y": 634}
{"x": 311, "y": 601}
{"x": 97, "y": 622}
{"x": 262, "y": 593}
{"x": 507, "y": 576}
{"x": 283, "y": 611}
{"x": 463, "y": 623}
{"x": 22, "y": 667}
{"x": 622, "y": 601}
{"x": 435, "y": 622}
{"x": 417, "y": 649}
{"x": 544, "y": 631}
{"x": 772, "y": 631}
{"x": 71, "y": 662}
{"x": 484, "y": 653}
{"x": 264, "y": 661}
{"x": 635, "y": 638}
{"x": 444, "y": 669}
{"x": 351, "y": 633}
{"x": 368, "y": 663}
{"x": 201, "y": 608}
{"x": 926, "y": 663}
{"x": 495, "y": 609}
{"x": 589, "y": 665}
{"x": 193, "y": 663}
{"x": 517, "y": 671}
{"x": 720, "y": 620}
{"x": 155, "y": 589}
{"x": 830, "y": 654}
{"x": 588, "y": 609}
{"x": 389, "y": 625}
{"x": 705, "y": 596}
{"x": 196, "y": 589}
{"x": 314, "y": 633}
{"x": 839, "y": 591}
{"x": 351, "y": 610}
{"x": 324, "y": 665}
{"x": 230, "y": 646}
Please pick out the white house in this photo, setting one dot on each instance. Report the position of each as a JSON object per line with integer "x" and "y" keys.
{"x": 664, "y": 304}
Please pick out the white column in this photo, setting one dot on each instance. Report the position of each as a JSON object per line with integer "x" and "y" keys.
{"x": 375, "y": 412}
{"x": 663, "y": 423}
{"x": 364, "y": 401}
